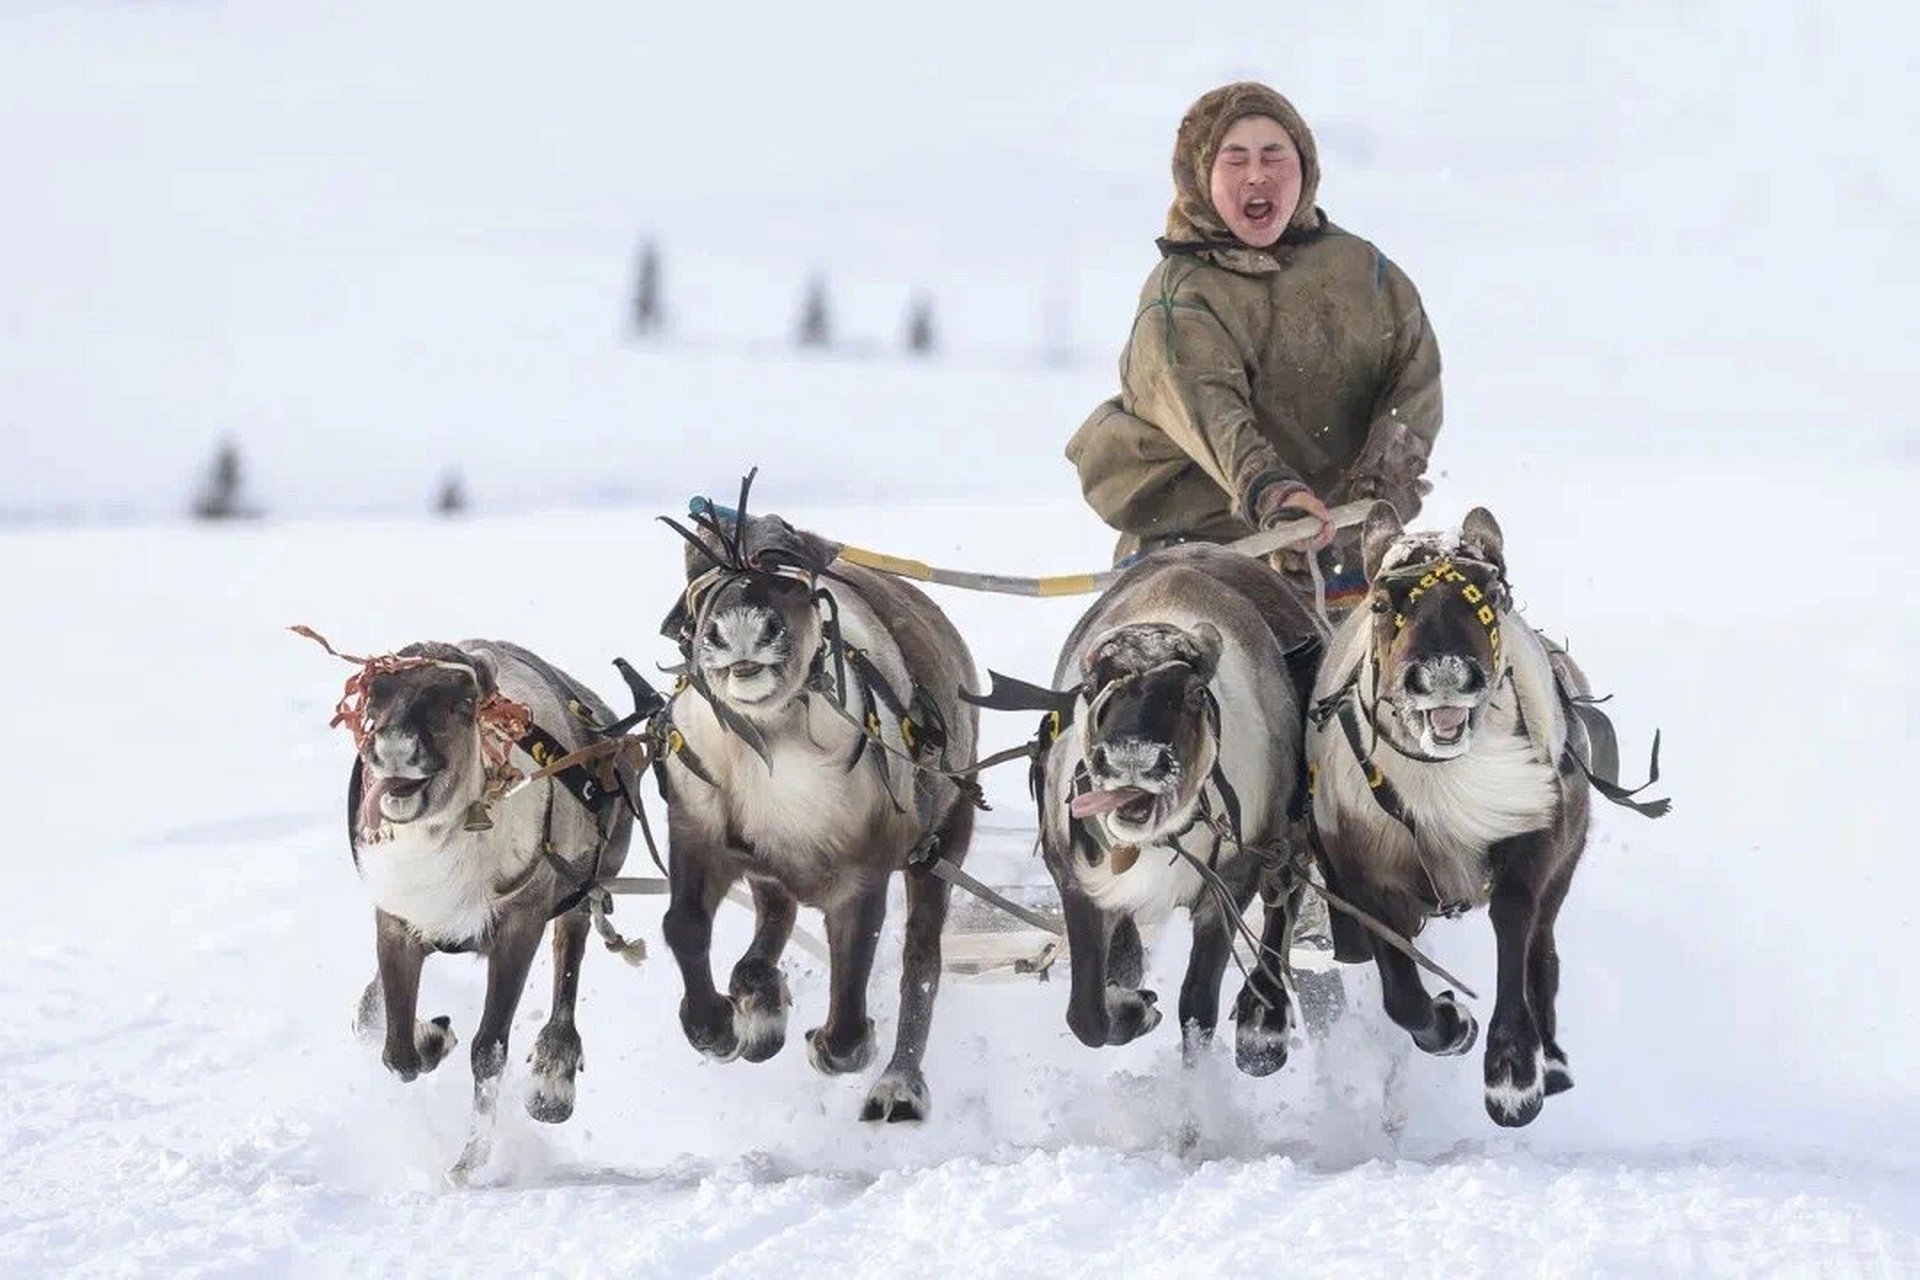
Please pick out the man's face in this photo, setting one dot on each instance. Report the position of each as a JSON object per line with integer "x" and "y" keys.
{"x": 1256, "y": 180}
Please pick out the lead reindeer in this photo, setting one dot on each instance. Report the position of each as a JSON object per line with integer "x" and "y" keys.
{"x": 436, "y": 726}
{"x": 810, "y": 685}
{"x": 1450, "y": 746}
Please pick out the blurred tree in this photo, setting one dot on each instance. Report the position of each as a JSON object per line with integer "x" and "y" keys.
{"x": 220, "y": 496}
{"x": 816, "y": 330}
{"x": 452, "y": 499}
{"x": 920, "y": 325}
{"x": 648, "y": 316}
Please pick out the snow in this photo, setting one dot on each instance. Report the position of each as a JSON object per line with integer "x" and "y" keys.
{"x": 1668, "y": 257}
{"x": 189, "y": 940}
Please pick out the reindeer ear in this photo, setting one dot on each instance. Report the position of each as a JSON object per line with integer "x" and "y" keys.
{"x": 1207, "y": 642}
{"x": 1382, "y": 527}
{"x": 484, "y": 677}
{"x": 1096, "y": 652}
{"x": 816, "y": 552}
{"x": 1481, "y": 532}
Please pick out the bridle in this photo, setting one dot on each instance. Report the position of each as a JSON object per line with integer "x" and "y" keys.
{"x": 1440, "y": 572}
{"x": 499, "y": 721}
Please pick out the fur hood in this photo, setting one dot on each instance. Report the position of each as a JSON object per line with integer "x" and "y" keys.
{"x": 1192, "y": 221}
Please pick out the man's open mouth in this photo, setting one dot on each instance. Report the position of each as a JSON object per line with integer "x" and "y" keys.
{"x": 1257, "y": 210}
{"x": 1448, "y": 725}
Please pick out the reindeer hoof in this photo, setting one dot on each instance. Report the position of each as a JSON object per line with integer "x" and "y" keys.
{"x": 1262, "y": 1032}
{"x": 897, "y": 1096}
{"x": 432, "y": 1042}
{"x": 1454, "y": 1029}
{"x": 1131, "y": 1014}
{"x": 712, "y": 1036}
{"x": 760, "y": 1003}
{"x": 1558, "y": 1073}
{"x": 1515, "y": 1081}
{"x": 556, "y": 1060}
{"x": 832, "y": 1061}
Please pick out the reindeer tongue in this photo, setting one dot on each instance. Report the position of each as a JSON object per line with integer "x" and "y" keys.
{"x": 370, "y": 793}
{"x": 1093, "y": 803}
{"x": 1447, "y": 720}
{"x": 373, "y": 790}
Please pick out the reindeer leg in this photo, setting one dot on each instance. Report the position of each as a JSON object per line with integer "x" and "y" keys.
{"x": 846, "y": 1042}
{"x": 1087, "y": 934}
{"x": 556, "y": 1053}
{"x": 412, "y": 1047}
{"x": 1099, "y": 1010}
{"x": 696, "y": 884}
{"x": 1263, "y": 1012}
{"x": 1543, "y": 982}
{"x": 1515, "y": 1061}
{"x": 1126, "y": 955}
{"x": 901, "y": 1091}
{"x": 757, "y": 988}
{"x": 516, "y": 937}
{"x": 1440, "y": 1024}
{"x": 1543, "y": 957}
{"x": 1200, "y": 990}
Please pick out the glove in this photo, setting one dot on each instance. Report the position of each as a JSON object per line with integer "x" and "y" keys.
{"x": 1390, "y": 467}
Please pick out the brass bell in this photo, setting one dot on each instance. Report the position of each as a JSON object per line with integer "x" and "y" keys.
{"x": 478, "y": 819}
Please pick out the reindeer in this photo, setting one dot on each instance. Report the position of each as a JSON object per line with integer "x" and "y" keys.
{"x": 1177, "y": 754}
{"x": 435, "y": 726}
{"x": 1450, "y": 765}
{"x": 812, "y": 690}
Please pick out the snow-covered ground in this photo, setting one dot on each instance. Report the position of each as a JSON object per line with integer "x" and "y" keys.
{"x": 1669, "y": 256}
{"x": 187, "y": 937}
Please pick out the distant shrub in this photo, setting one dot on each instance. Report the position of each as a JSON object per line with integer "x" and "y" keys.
{"x": 920, "y": 325}
{"x": 221, "y": 496}
{"x": 452, "y": 498}
{"x": 648, "y": 316}
{"x": 815, "y": 328}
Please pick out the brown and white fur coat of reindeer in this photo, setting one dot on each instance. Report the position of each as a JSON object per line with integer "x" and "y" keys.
{"x": 1446, "y": 779}
{"x": 439, "y": 885}
{"x": 1188, "y": 712}
{"x": 767, "y": 780}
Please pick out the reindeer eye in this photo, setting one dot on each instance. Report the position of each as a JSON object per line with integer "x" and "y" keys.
{"x": 1381, "y": 604}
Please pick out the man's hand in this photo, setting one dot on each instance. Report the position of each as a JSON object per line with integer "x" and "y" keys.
{"x": 1282, "y": 506}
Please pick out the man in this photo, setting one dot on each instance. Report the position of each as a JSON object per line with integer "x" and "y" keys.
{"x": 1276, "y": 364}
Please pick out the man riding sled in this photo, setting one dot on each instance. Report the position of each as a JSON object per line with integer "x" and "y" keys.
{"x": 1277, "y": 364}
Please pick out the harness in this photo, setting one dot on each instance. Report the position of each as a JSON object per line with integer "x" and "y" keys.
{"x": 1345, "y": 705}
{"x": 1217, "y": 809}
{"x": 841, "y": 676}
{"x": 1216, "y": 806}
